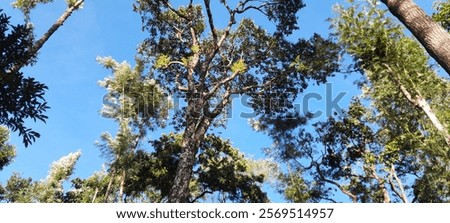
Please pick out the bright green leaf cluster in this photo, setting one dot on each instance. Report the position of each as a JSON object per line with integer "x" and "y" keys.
{"x": 443, "y": 14}
{"x": 7, "y": 151}
{"x": 27, "y": 5}
{"x": 133, "y": 96}
{"x": 162, "y": 61}
{"x": 239, "y": 66}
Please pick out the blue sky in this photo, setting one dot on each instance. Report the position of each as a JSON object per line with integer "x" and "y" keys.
{"x": 67, "y": 65}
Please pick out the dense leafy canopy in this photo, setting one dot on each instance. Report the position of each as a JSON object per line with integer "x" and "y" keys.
{"x": 385, "y": 147}
{"x": 21, "y": 97}
{"x": 391, "y": 144}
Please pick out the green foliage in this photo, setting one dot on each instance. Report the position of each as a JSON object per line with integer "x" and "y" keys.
{"x": 389, "y": 59}
{"x": 21, "y": 97}
{"x": 295, "y": 189}
{"x": 90, "y": 190}
{"x": 7, "y": 151}
{"x": 238, "y": 67}
{"x": 27, "y": 5}
{"x": 62, "y": 169}
{"x": 71, "y": 3}
{"x": 162, "y": 61}
{"x": 384, "y": 148}
{"x": 443, "y": 14}
{"x": 133, "y": 96}
{"x": 17, "y": 189}
{"x": 219, "y": 169}
{"x": 434, "y": 186}
{"x": 51, "y": 189}
{"x": 249, "y": 49}
{"x": 48, "y": 190}
{"x": 190, "y": 56}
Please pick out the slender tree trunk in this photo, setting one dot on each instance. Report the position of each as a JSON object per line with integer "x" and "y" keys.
{"x": 41, "y": 41}
{"x": 381, "y": 184}
{"x": 430, "y": 34}
{"x": 95, "y": 195}
{"x": 422, "y": 104}
{"x": 38, "y": 44}
{"x": 122, "y": 185}
{"x": 393, "y": 176}
{"x": 108, "y": 189}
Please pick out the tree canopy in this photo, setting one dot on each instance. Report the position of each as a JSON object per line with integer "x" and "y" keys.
{"x": 171, "y": 103}
{"x": 21, "y": 97}
{"x": 391, "y": 140}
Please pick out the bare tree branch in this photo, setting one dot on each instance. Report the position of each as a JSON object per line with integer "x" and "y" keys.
{"x": 210, "y": 20}
{"x": 422, "y": 104}
{"x": 381, "y": 185}
{"x": 393, "y": 175}
{"x": 338, "y": 185}
{"x": 225, "y": 100}
{"x": 221, "y": 83}
{"x": 171, "y": 8}
{"x": 201, "y": 196}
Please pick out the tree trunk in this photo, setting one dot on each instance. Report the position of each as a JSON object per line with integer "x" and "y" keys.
{"x": 196, "y": 127}
{"x": 400, "y": 192}
{"x": 108, "y": 189}
{"x": 39, "y": 43}
{"x": 121, "y": 187}
{"x": 95, "y": 195}
{"x": 422, "y": 104}
{"x": 179, "y": 192}
{"x": 60, "y": 22}
{"x": 381, "y": 184}
{"x": 430, "y": 34}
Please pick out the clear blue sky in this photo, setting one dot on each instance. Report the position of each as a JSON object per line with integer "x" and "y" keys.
{"x": 68, "y": 67}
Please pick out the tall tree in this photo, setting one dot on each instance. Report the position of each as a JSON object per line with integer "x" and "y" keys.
{"x": 192, "y": 56}
{"x": 430, "y": 34}
{"x": 138, "y": 104}
{"x": 385, "y": 148}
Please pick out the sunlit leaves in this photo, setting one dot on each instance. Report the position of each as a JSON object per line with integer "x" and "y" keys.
{"x": 443, "y": 14}
{"x": 27, "y": 5}
{"x": 220, "y": 168}
{"x": 48, "y": 190}
{"x": 239, "y": 66}
{"x": 131, "y": 95}
{"x": 7, "y": 151}
{"x": 162, "y": 61}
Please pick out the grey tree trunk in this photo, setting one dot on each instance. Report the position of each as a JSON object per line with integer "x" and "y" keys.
{"x": 430, "y": 34}
{"x": 197, "y": 125}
